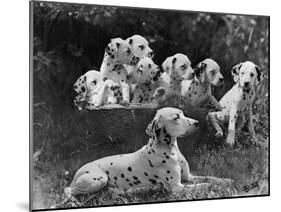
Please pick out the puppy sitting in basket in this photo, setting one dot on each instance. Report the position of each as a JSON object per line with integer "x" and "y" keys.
{"x": 159, "y": 164}
{"x": 109, "y": 86}
{"x": 144, "y": 76}
{"x": 93, "y": 91}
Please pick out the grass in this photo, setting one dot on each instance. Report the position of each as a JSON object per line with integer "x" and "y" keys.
{"x": 246, "y": 164}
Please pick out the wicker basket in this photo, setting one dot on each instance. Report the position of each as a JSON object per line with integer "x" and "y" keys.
{"x": 126, "y": 124}
{"x": 116, "y": 124}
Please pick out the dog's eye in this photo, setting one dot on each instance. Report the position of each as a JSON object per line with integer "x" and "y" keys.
{"x": 242, "y": 73}
{"x": 128, "y": 51}
{"x": 252, "y": 74}
{"x": 141, "y": 47}
{"x": 213, "y": 72}
{"x": 176, "y": 117}
{"x": 183, "y": 67}
{"x": 94, "y": 82}
{"x": 139, "y": 71}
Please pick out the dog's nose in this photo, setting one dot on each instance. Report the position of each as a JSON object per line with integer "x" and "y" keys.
{"x": 221, "y": 80}
{"x": 107, "y": 49}
{"x": 150, "y": 54}
{"x": 196, "y": 123}
{"x": 246, "y": 84}
{"x": 135, "y": 60}
{"x": 74, "y": 87}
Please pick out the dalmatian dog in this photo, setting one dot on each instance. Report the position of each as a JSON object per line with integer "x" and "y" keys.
{"x": 197, "y": 92}
{"x": 144, "y": 77}
{"x": 237, "y": 102}
{"x": 93, "y": 91}
{"x": 176, "y": 69}
{"x": 140, "y": 46}
{"x": 118, "y": 53}
{"x": 159, "y": 164}
{"x": 87, "y": 83}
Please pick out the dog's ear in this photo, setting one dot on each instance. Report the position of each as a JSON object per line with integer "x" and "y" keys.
{"x": 154, "y": 128}
{"x": 199, "y": 71}
{"x": 150, "y": 128}
{"x": 130, "y": 41}
{"x": 235, "y": 72}
{"x": 82, "y": 84}
{"x": 118, "y": 45}
{"x": 258, "y": 74}
{"x": 167, "y": 65}
{"x": 157, "y": 75}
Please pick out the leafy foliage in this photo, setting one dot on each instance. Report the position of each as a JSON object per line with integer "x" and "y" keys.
{"x": 69, "y": 39}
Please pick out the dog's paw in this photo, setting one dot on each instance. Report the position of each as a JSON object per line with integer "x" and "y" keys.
{"x": 219, "y": 134}
{"x": 124, "y": 102}
{"x": 219, "y": 107}
{"x": 230, "y": 140}
{"x": 159, "y": 92}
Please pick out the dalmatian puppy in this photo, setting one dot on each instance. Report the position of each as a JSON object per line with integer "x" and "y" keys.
{"x": 176, "y": 69}
{"x": 85, "y": 87}
{"x": 237, "y": 102}
{"x": 140, "y": 46}
{"x": 87, "y": 84}
{"x": 144, "y": 77}
{"x": 118, "y": 53}
{"x": 93, "y": 91}
{"x": 197, "y": 92}
{"x": 157, "y": 164}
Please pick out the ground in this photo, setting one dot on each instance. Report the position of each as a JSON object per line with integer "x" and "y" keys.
{"x": 245, "y": 163}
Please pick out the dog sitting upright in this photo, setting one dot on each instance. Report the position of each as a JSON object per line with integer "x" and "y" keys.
{"x": 117, "y": 54}
{"x": 197, "y": 92}
{"x": 237, "y": 102}
{"x": 144, "y": 77}
{"x": 176, "y": 69}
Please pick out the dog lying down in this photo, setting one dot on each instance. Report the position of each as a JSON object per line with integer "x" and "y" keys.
{"x": 159, "y": 164}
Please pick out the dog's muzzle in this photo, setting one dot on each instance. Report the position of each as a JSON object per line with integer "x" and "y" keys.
{"x": 134, "y": 60}
{"x": 150, "y": 55}
{"x": 246, "y": 84}
{"x": 221, "y": 81}
{"x": 108, "y": 50}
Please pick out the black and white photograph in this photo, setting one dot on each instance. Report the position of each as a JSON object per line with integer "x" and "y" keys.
{"x": 137, "y": 105}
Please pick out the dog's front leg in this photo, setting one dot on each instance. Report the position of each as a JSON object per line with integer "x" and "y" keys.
{"x": 214, "y": 119}
{"x": 213, "y": 101}
{"x": 231, "y": 127}
{"x": 209, "y": 179}
{"x": 190, "y": 188}
{"x": 101, "y": 96}
{"x": 185, "y": 172}
{"x": 125, "y": 92}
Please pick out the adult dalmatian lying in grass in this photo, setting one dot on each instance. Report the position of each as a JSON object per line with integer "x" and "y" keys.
{"x": 159, "y": 164}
